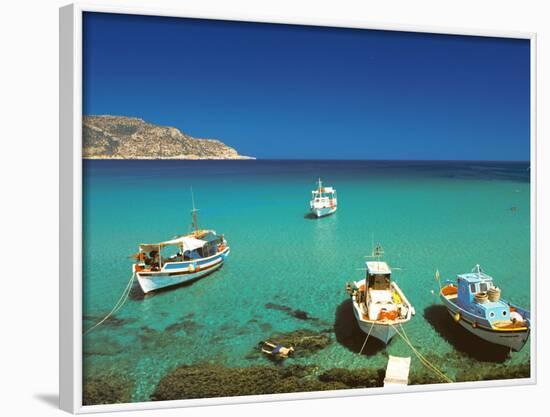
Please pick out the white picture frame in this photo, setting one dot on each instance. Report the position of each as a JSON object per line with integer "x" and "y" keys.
{"x": 70, "y": 153}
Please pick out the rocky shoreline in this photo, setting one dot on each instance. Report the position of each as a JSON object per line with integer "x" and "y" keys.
{"x": 121, "y": 137}
{"x": 211, "y": 381}
{"x": 177, "y": 157}
{"x": 208, "y": 380}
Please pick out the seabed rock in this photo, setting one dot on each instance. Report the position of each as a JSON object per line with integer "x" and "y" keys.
{"x": 486, "y": 373}
{"x": 206, "y": 381}
{"x": 354, "y": 378}
{"x": 297, "y": 314}
{"x": 305, "y": 342}
{"x": 210, "y": 380}
{"x": 107, "y": 389}
{"x": 102, "y": 346}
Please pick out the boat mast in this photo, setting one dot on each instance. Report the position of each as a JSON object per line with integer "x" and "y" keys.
{"x": 477, "y": 269}
{"x": 377, "y": 252}
{"x": 194, "y": 212}
{"x": 320, "y": 186}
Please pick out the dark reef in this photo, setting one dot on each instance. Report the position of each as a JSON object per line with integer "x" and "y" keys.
{"x": 205, "y": 381}
{"x": 217, "y": 381}
{"x": 107, "y": 389}
{"x": 305, "y": 342}
{"x": 211, "y": 380}
{"x": 297, "y": 314}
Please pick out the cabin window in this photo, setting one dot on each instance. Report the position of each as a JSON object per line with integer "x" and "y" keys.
{"x": 483, "y": 287}
{"x": 492, "y": 314}
{"x": 473, "y": 288}
{"x": 379, "y": 281}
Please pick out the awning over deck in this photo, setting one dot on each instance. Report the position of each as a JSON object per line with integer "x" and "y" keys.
{"x": 186, "y": 242}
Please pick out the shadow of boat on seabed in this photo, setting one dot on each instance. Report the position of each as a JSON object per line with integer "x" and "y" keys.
{"x": 348, "y": 333}
{"x": 461, "y": 339}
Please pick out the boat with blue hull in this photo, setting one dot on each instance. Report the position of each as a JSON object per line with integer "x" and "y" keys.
{"x": 182, "y": 259}
{"x": 474, "y": 302}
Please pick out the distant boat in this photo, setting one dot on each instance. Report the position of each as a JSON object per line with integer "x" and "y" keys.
{"x": 193, "y": 256}
{"x": 378, "y": 303}
{"x": 474, "y": 302}
{"x": 323, "y": 200}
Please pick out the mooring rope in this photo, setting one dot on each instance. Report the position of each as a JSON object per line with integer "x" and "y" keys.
{"x": 421, "y": 357}
{"x": 367, "y": 338}
{"x": 118, "y": 305}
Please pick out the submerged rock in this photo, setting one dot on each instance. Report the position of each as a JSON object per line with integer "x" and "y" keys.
{"x": 486, "y": 373}
{"x": 102, "y": 346}
{"x": 186, "y": 325}
{"x": 354, "y": 378}
{"x": 305, "y": 342}
{"x": 107, "y": 389}
{"x": 298, "y": 314}
{"x": 208, "y": 381}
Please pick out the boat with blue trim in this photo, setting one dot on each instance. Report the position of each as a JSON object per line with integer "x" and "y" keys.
{"x": 323, "y": 200}
{"x": 182, "y": 259}
{"x": 474, "y": 302}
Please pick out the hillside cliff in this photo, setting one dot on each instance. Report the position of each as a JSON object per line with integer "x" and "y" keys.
{"x": 120, "y": 137}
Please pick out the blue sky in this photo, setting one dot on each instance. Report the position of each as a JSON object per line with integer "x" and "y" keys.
{"x": 282, "y": 91}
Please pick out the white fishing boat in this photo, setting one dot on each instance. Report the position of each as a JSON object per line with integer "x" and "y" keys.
{"x": 323, "y": 200}
{"x": 379, "y": 305}
{"x": 182, "y": 259}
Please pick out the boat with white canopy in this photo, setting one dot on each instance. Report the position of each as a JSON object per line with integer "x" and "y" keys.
{"x": 323, "y": 200}
{"x": 179, "y": 260}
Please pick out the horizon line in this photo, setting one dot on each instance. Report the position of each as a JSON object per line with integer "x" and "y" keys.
{"x": 314, "y": 160}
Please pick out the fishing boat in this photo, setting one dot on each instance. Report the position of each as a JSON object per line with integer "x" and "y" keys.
{"x": 379, "y": 305}
{"x": 323, "y": 200}
{"x": 187, "y": 258}
{"x": 474, "y": 302}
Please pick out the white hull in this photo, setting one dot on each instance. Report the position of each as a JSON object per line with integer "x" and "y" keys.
{"x": 513, "y": 340}
{"x": 383, "y": 332}
{"x": 320, "y": 212}
{"x": 163, "y": 280}
{"x": 169, "y": 276}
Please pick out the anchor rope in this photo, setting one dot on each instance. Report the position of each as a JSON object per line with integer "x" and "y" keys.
{"x": 367, "y": 338}
{"x": 118, "y": 305}
{"x": 419, "y": 355}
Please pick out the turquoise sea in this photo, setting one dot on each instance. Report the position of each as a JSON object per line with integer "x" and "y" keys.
{"x": 426, "y": 215}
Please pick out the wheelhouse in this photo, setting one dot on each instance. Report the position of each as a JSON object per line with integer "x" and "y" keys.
{"x": 472, "y": 288}
{"x": 378, "y": 275}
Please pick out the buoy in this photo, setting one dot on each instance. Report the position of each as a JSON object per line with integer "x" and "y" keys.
{"x": 191, "y": 267}
{"x": 474, "y": 324}
{"x": 457, "y": 317}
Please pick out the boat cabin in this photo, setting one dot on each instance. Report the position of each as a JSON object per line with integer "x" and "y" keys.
{"x": 323, "y": 192}
{"x": 472, "y": 297}
{"x": 378, "y": 275}
{"x": 181, "y": 249}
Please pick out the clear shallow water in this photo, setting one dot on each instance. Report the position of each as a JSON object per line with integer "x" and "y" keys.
{"x": 426, "y": 215}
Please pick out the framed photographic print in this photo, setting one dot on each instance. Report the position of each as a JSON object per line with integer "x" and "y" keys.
{"x": 271, "y": 210}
